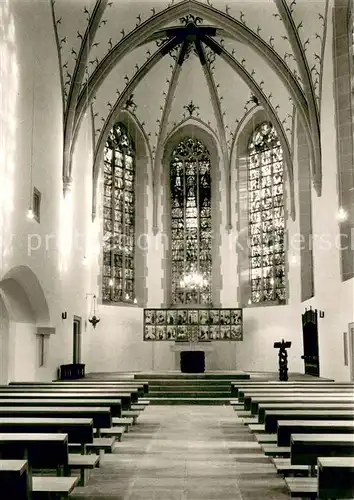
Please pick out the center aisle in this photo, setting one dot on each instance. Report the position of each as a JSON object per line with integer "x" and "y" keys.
{"x": 186, "y": 453}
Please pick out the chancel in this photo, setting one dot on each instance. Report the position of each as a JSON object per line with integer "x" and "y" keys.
{"x": 176, "y": 238}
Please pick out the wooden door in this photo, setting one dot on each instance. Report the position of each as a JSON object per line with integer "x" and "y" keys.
{"x": 310, "y": 343}
{"x": 351, "y": 350}
{"x": 4, "y": 343}
{"x": 77, "y": 340}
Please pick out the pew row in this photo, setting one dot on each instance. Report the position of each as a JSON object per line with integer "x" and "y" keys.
{"x": 247, "y": 397}
{"x": 15, "y": 480}
{"x": 307, "y": 409}
{"x": 273, "y": 416}
{"x": 78, "y": 430}
{"x": 325, "y": 399}
{"x": 140, "y": 388}
{"x": 240, "y": 385}
{"x": 335, "y": 473}
{"x": 88, "y": 383}
{"x": 109, "y": 404}
{"x": 288, "y": 427}
{"x": 126, "y": 398}
{"x": 42, "y": 451}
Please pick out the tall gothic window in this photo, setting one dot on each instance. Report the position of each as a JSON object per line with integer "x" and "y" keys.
{"x": 266, "y": 216}
{"x": 118, "y": 217}
{"x": 191, "y": 223}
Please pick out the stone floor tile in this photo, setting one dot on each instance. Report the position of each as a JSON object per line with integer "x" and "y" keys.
{"x": 185, "y": 453}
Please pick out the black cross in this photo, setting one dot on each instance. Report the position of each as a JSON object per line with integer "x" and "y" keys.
{"x": 189, "y": 34}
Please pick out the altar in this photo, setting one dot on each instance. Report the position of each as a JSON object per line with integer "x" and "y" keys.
{"x": 192, "y": 357}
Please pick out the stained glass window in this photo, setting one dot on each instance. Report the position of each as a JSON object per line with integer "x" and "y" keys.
{"x": 266, "y": 216}
{"x": 191, "y": 223}
{"x": 118, "y": 217}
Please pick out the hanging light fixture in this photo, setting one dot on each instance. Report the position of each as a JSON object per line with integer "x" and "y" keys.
{"x": 30, "y": 213}
{"x": 342, "y": 215}
{"x": 93, "y": 318}
{"x": 193, "y": 280}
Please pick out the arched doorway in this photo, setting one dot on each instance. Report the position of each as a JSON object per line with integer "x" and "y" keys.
{"x": 23, "y": 307}
{"x": 4, "y": 343}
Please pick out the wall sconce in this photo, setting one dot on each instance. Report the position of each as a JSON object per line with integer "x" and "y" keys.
{"x": 64, "y": 315}
{"x": 320, "y": 313}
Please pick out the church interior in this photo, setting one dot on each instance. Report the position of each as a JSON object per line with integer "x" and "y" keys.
{"x": 177, "y": 224}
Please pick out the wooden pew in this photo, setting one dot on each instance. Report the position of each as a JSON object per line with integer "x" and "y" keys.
{"x": 335, "y": 480}
{"x": 54, "y": 487}
{"x": 335, "y": 477}
{"x": 236, "y": 386}
{"x": 90, "y": 382}
{"x": 76, "y": 385}
{"x": 126, "y": 397}
{"x": 15, "y": 480}
{"x": 42, "y": 451}
{"x": 347, "y": 405}
{"x": 112, "y": 404}
{"x": 263, "y": 437}
{"x": 78, "y": 430}
{"x": 136, "y": 392}
{"x": 306, "y": 448}
{"x": 273, "y": 416}
{"x": 323, "y": 399}
{"x": 127, "y": 422}
{"x": 320, "y": 388}
{"x": 309, "y": 450}
{"x": 248, "y": 396}
{"x": 101, "y": 417}
{"x": 116, "y": 431}
{"x": 288, "y": 427}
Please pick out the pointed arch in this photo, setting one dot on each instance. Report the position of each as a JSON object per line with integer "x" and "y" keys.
{"x": 141, "y": 141}
{"x": 242, "y": 185}
{"x": 24, "y": 296}
{"x": 232, "y": 28}
{"x": 255, "y": 116}
{"x": 196, "y": 129}
{"x": 123, "y": 212}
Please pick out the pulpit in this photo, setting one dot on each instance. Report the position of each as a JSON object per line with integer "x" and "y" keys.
{"x": 192, "y": 357}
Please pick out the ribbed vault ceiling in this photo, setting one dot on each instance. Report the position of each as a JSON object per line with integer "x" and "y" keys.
{"x": 182, "y": 83}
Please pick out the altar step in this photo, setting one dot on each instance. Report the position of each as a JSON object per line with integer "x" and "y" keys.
{"x": 198, "y": 385}
{"x": 165, "y": 392}
{"x": 188, "y": 401}
{"x": 190, "y": 388}
{"x": 216, "y": 376}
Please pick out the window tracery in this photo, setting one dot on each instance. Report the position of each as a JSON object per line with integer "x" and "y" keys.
{"x": 266, "y": 216}
{"x": 119, "y": 217}
{"x": 191, "y": 229}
